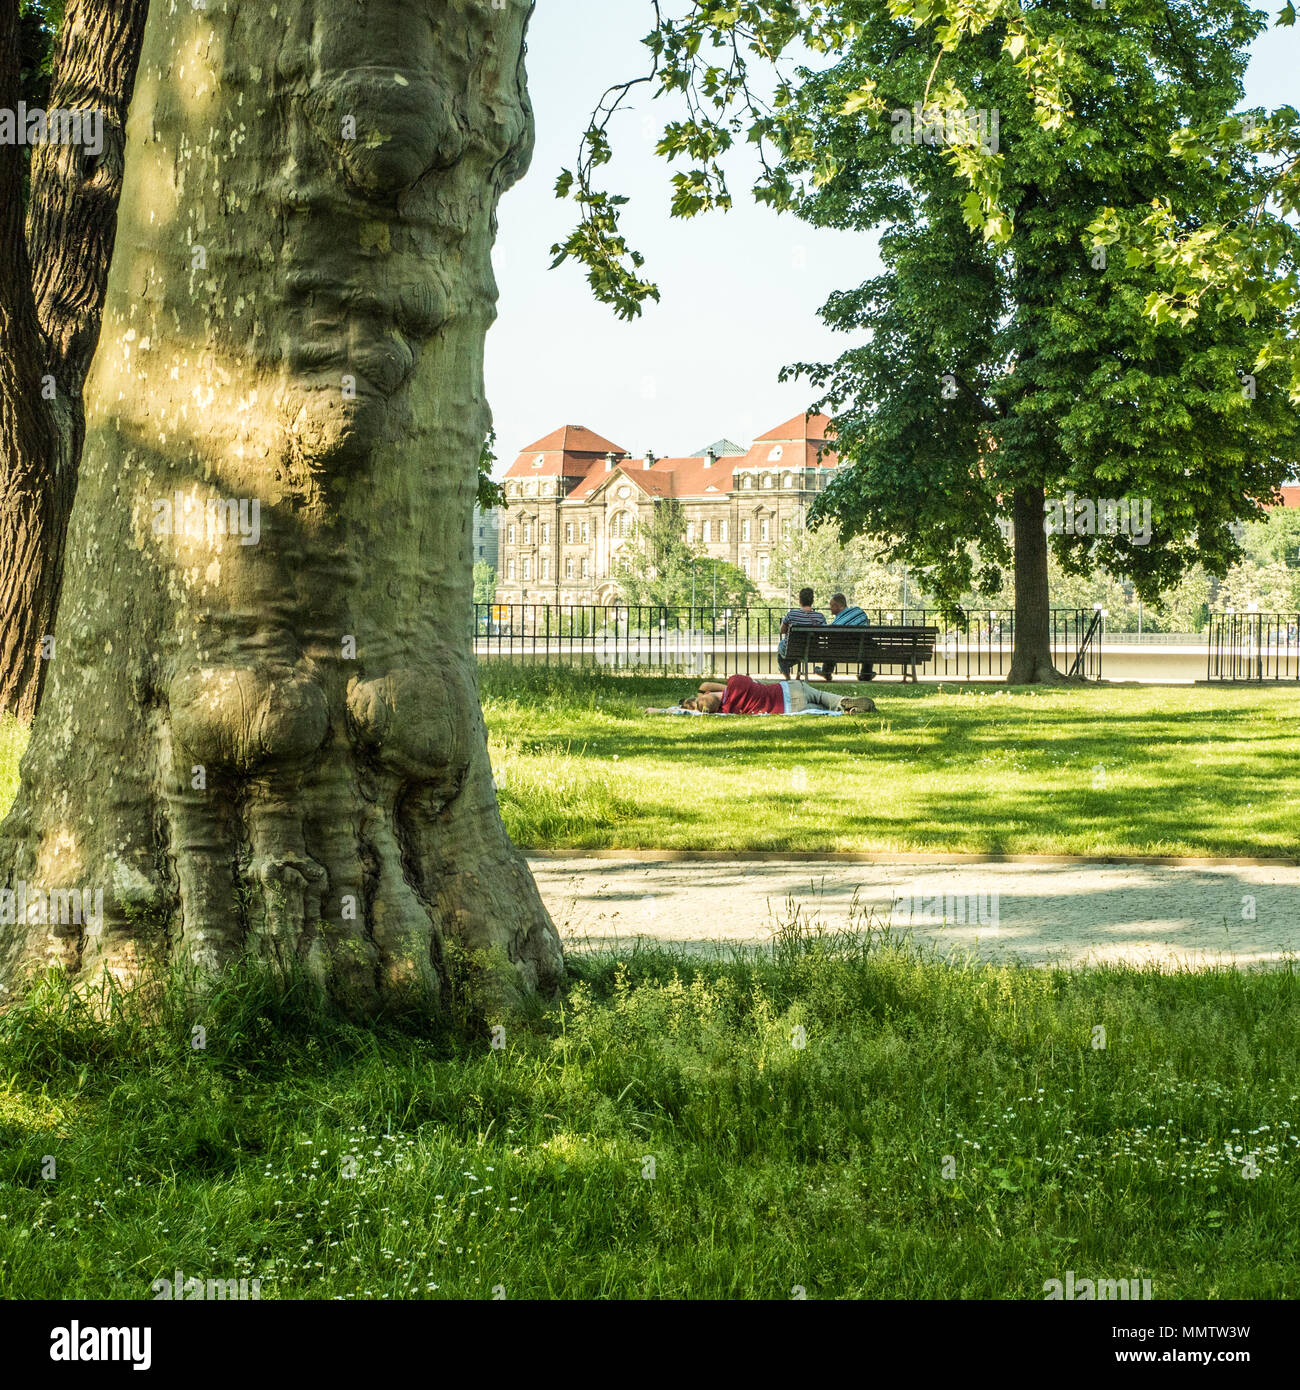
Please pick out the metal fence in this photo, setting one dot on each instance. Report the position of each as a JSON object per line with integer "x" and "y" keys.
{"x": 706, "y": 640}
{"x": 1254, "y": 647}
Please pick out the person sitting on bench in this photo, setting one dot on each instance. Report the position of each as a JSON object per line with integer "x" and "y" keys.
{"x": 744, "y": 695}
{"x": 846, "y": 614}
{"x": 803, "y": 616}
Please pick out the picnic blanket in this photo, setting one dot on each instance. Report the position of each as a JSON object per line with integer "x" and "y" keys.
{"x": 811, "y": 709}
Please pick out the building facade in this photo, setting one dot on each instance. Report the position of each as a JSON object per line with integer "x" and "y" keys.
{"x": 574, "y": 498}
{"x": 485, "y": 539}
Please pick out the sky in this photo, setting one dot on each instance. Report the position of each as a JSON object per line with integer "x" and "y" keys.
{"x": 740, "y": 290}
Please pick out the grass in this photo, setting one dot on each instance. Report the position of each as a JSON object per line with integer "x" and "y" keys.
{"x": 975, "y": 769}
{"x": 839, "y": 1114}
{"x": 1134, "y": 770}
{"x": 659, "y": 1132}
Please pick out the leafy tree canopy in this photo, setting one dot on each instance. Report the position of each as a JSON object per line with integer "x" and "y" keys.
{"x": 1004, "y": 349}
{"x": 660, "y": 566}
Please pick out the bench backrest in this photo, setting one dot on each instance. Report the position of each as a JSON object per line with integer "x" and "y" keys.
{"x": 897, "y": 642}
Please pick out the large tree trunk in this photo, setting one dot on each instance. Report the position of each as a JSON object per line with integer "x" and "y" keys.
{"x": 1031, "y": 658}
{"x": 275, "y": 748}
{"x": 51, "y": 301}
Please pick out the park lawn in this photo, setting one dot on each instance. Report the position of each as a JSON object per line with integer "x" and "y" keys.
{"x": 1128, "y": 770}
{"x": 842, "y": 1116}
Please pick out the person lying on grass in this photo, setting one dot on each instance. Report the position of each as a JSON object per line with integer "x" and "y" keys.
{"x": 742, "y": 695}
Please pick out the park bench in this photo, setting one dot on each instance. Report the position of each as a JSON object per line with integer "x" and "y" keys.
{"x": 896, "y": 645}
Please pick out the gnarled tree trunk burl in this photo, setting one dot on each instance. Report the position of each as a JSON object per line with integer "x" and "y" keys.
{"x": 261, "y": 733}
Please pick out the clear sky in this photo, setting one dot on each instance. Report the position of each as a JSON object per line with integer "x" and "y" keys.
{"x": 740, "y": 290}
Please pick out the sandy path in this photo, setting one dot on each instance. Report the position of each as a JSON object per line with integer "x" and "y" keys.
{"x": 1068, "y": 914}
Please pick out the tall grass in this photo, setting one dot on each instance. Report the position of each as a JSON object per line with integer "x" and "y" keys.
{"x": 846, "y": 1115}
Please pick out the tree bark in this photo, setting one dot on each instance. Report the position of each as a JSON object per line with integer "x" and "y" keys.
{"x": 1031, "y": 657}
{"x": 51, "y": 300}
{"x": 262, "y": 733}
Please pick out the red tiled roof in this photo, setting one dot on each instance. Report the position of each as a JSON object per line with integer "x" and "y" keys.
{"x": 577, "y": 452}
{"x": 573, "y": 439}
{"x": 568, "y": 452}
{"x": 799, "y": 440}
{"x": 1291, "y": 495}
{"x": 690, "y": 478}
{"x": 800, "y": 427}
{"x": 656, "y": 484}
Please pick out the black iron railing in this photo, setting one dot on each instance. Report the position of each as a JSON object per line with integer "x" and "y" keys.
{"x": 1254, "y": 647}
{"x": 707, "y": 640}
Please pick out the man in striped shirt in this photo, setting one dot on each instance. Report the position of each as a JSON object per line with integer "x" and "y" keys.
{"x": 803, "y": 616}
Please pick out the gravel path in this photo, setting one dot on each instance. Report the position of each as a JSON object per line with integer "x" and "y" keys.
{"x": 1068, "y": 914}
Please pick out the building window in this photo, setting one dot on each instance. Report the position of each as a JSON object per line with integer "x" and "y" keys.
{"x": 789, "y": 481}
{"x": 510, "y": 534}
{"x": 583, "y": 572}
{"x": 785, "y": 528}
{"x": 544, "y": 568}
{"x": 765, "y": 530}
{"x": 546, "y": 533}
{"x": 708, "y": 532}
{"x": 586, "y": 536}
{"x": 744, "y": 531}
{"x": 762, "y": 567}
{"x": 526, "y": 573}
{"x": 749, "y": 482}
{"x": 722, "y": 530}
{"x": 510, "y": 570}
{"x": 568, "y": 569}
{"x": 767, "y": 480}
{"x": 568, "y": 532}
{"x": 690, "y": 531}
{"x": 480, "y": 533}
{"x": 744, "y": 565}
{"x": 528, "y": 533}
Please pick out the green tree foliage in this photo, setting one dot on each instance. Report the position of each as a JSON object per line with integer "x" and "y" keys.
{"x": 490, "y": 494}
{"x": 660, "y": 566}
{"x": 1246, "y": 266}
{"x": 485, "y": 582}
{"x": 855, "y": 568}
{"x": 1009, "y": 359}
{"x": 1025, "y": 361}
{"x": 38, "y": 28}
